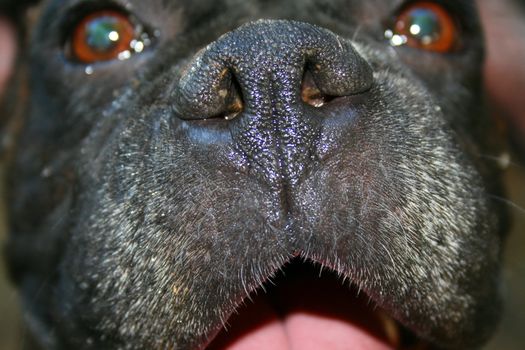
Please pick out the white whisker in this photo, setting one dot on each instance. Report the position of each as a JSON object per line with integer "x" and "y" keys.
{"x": 504, "y": 160}
{"x": 510, "y": 203}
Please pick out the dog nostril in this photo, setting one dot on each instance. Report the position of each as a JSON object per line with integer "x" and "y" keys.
{"x": 231, "y": 95}
{"x": 214, "y": 93}
{"x": 234, "y": 100}
{"x": 310, "y": 92}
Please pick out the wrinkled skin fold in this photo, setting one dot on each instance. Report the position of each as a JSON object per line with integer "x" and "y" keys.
{"x": 141, "y": 219}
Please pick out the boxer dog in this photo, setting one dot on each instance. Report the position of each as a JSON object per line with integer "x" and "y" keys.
{"x": 255, "y": 174}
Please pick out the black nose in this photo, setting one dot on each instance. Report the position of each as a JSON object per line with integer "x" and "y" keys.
{"x": 266, "y": 76}
{"x": 264, "y": 60}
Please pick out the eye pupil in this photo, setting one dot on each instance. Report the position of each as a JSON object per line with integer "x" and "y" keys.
{"x": 102, "y": 34}
{"x": 424, "y": 24}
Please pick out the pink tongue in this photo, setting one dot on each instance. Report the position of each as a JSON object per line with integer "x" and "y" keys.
{"x": 306, "y": 314}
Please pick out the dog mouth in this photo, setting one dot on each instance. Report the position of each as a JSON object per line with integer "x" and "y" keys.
{"x": 308, "y": 307}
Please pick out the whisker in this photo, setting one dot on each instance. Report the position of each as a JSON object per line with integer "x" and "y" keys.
{"x": 357, "y": 31}
{"x": 510, "y": 203}
{"x": 504, "y": 160}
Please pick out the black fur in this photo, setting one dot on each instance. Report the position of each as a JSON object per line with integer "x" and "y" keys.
{"x": 137, "y": 224}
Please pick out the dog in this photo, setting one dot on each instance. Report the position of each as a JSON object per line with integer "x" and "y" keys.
{"x": 253, "y": 174}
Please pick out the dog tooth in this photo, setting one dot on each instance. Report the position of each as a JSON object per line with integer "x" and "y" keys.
{"x": 391, "y": 329}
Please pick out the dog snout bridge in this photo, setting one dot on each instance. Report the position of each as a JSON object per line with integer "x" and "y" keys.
{"x": 263, "y": 79}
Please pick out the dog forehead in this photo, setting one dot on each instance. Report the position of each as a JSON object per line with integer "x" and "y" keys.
{"x": 14, "y": 7}
{"x": 269, "y": 8}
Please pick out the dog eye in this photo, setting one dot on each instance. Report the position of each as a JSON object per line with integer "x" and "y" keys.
{"x": 424, "y": 25}
{"x": 104, "y": 36}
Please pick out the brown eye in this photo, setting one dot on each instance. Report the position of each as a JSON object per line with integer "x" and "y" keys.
{"x": 425, "y": 25}
{"x": 103, "y": 36}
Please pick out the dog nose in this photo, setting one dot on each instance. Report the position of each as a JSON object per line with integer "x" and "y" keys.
{"x": 263, "y": 80}
{"x": 266, "y": 62}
